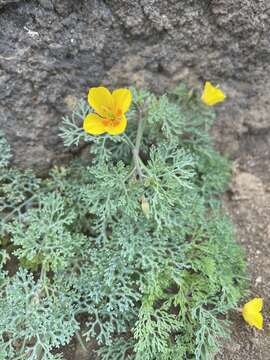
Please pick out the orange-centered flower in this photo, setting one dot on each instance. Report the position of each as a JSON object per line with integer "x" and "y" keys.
{"x": 110, "y": 111}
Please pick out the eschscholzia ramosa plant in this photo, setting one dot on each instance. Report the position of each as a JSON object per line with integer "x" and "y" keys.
{"x": 252, "y": 313}
{"x": 110, "y": 109}
{"x": 212, "y": 95}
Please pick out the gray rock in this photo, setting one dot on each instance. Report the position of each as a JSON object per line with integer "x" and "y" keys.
{"x": 47, "y": 4}
{"x": 6, "y": 2}
{"x": 48, "y": 54}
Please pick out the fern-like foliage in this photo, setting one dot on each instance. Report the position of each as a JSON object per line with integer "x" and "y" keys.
{"x": 136, "y": 245}
{"x": 18, "y": 192}
{"x": 33, "y": 322}
{"x": 44, "y": 237}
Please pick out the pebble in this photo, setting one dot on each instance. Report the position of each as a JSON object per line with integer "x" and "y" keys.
{"x": 258, "y": 280}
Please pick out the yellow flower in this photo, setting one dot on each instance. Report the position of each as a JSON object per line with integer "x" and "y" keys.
{"x": 212, "y": 95}
{"x": 252, "y": 313}
{"x": 110, "y": 111}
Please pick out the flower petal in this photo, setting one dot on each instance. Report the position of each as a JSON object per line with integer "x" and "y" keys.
{"x": 118, "y": 129}
{"x": 255, "y": 304}
{"x": 93, "y": 124}
{"x": 122, "y": 100}
{"x": 101, "y": 100}
{"x": 251, "y": 313}
{"x": 254, "y": 319}
{"x": 212, "y": 95}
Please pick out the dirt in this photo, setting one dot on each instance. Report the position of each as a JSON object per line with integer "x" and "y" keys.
{"x": 251, "y": 217}
{"x": 248, "y": 203}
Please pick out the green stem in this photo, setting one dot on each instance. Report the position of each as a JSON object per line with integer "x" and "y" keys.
{"x": 43, "y": 273}
{"x": 39, "y": 352}
{"x": 139, "y": 131}
{"x": 78, "y": 336}
{"x": 130, "y": 174}
{"x": 17, "y": 209}
{"x": 129, "y": 141}
{"x": 137, "y": 163}
{"x": 136, "y": 149}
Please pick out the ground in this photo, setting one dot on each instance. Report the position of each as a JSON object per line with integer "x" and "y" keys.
{"x": 248, "y": 203}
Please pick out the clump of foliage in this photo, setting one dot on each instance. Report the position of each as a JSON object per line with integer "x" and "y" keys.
{"x": 134, "y": 239}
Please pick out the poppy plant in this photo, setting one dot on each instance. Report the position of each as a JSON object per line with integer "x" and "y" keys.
{"x": 212, "y": 95}
{"x": 110, "y": 109}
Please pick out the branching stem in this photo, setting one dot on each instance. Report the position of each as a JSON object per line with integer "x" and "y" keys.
{"x": 136, "y": 150}
{"x": 39, "y": 352}
{"x": 80, "y": 340}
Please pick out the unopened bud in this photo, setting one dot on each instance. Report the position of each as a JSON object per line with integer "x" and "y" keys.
{"x": 145, "y": 207}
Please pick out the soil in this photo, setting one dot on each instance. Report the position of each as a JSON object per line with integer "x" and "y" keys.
{"x": 248, "y": 203}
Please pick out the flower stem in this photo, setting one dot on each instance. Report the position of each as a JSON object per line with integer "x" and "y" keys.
{"x": 240, "y": 310}
{"x": 129, "y": 141}
{"x": 136, "y": 150}
{"x": 80, "y": 340}
{"x": 139, "y": 130}
{"x": 137, "y": 163}
{"x": 39, "y": 352}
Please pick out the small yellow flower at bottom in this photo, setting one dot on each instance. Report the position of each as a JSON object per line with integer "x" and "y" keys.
{"x": 252, "y": 313}
{"x": 212, "y": 95}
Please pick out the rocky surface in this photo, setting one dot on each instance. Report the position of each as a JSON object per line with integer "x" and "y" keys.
{"x": 52, "y": 51}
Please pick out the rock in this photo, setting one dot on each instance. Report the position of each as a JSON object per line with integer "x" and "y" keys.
{"x": 247, "y": 186}
{"x": 258, "y": 280}
{"x": 53, "y": 49}
{"x": 71, "y": 102}
{"x": 6, "y": 2}
{"x": 268, "y": 232}
{"x": 47, "y": 4}
{"x": 63, "y": 8}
